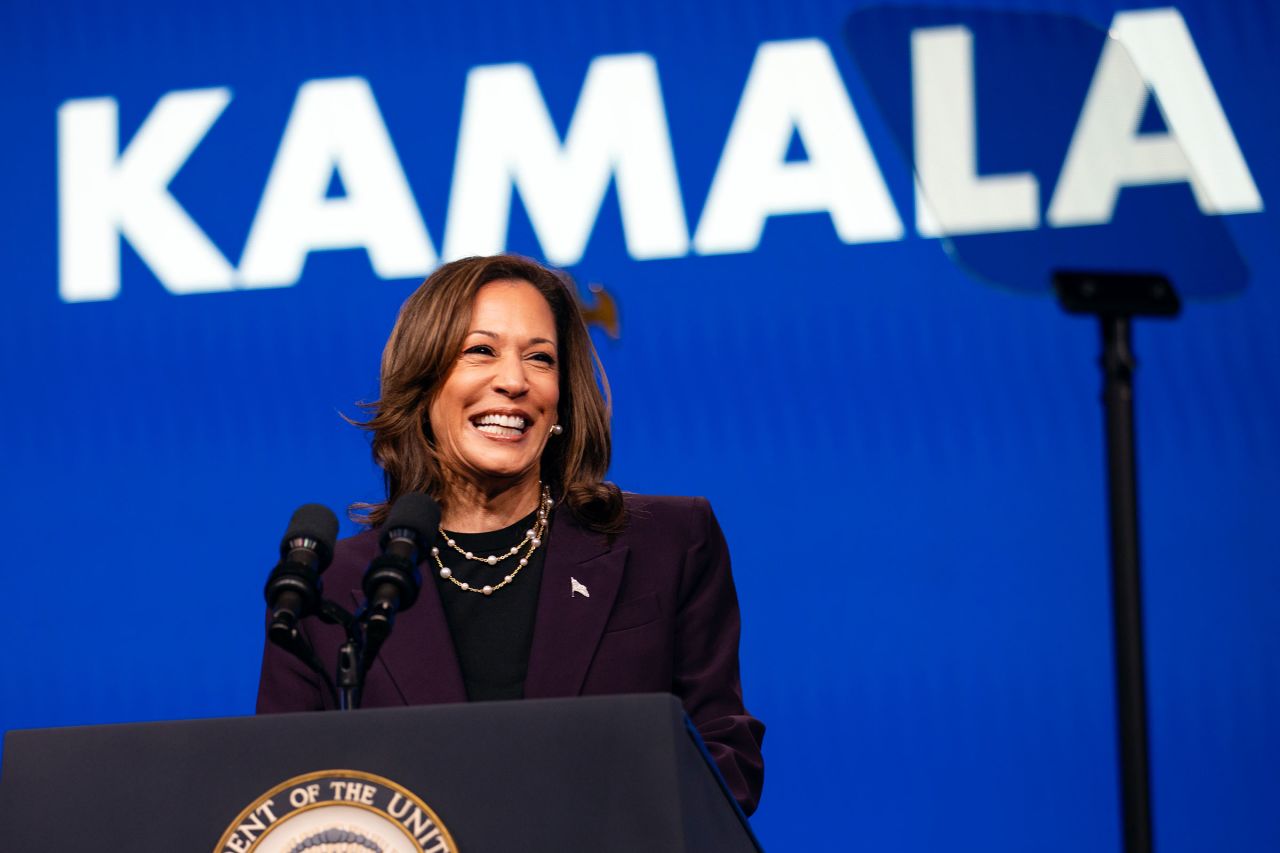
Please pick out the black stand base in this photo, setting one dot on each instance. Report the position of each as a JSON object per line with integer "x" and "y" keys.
{"x": 1115, "y": 299}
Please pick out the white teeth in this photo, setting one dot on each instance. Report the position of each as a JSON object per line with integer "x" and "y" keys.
{"x": 494, "y": 429}
{"x": 514, "y": 422}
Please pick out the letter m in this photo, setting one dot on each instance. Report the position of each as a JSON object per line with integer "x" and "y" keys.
{"x": 618, "y": 131}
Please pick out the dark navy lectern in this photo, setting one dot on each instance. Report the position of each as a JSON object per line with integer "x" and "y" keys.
{"x": 592, "y": 774}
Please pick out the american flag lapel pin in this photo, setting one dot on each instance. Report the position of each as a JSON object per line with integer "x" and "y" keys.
{"x": 576, "y": 588}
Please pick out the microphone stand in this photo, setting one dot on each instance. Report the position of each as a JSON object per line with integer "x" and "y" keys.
{"x": 1115, "y": 299}
{"x": 390, "y": 584}
{"x": 355, "y": 656}
{"x": 351, "y": 665}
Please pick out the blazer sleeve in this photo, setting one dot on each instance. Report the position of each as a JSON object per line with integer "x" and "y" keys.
{"x": 706, "y": 677}
{"x": 286, "y": 684}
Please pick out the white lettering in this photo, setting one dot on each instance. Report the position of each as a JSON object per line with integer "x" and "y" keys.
{"x": 252, "y": 827}
{"x": 104, "y": 195}
{"x": 795, "y": 87}
{"x": 1151, "y": 47}
{"x": 266, "y": 809}
{"x": 417, "y": 823}
{"x": 398, "y": 807}
{"x": 335, "y": 125}
{"x": 619, "y": 129}
{"x": 437, "y": 842}
{"x": 618, "y": 135}
{"x": 951, "y": 198}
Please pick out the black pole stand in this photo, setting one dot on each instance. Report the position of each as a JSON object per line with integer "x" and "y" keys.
{"x": 350, "y": 669}
{"x": 1115, "y": 299}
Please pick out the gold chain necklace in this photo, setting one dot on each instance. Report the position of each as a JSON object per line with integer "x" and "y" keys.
{"x": 532, "y": 540}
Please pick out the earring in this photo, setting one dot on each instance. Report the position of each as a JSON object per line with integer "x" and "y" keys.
{"x": 556, "y": 429}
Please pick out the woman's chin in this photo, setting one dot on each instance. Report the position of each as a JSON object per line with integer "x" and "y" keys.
{"x": 503, "y": 467}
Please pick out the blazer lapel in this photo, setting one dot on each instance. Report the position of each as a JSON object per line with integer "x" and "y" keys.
{"x": 568, "y": 626}
{"x": 419, "y": 656}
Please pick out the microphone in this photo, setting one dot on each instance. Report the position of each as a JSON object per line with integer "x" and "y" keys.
{"x": 393, "y": 580}
{"x": 293, "y": 587}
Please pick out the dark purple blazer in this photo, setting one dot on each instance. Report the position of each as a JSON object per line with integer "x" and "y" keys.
{"x": 662, "y": 616}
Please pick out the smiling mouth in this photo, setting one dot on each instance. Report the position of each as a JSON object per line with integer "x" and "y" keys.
{"x": 501, "y": 426}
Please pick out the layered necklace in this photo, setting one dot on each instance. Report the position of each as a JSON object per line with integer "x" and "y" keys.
{"x": 531, "y": 542}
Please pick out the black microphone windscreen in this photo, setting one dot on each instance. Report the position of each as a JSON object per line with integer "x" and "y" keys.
{"x": 414, "y": 511}
{"x": 316, "y": 522}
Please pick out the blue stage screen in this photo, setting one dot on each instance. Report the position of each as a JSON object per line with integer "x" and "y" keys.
{"x": 213, "y": 212}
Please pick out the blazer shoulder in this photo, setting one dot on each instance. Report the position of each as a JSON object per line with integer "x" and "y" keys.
{"x": 668, "y": 512}
{"x": 664, "y": 503}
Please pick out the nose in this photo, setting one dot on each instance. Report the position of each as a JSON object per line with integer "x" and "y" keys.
{"x": 509, "y": 378}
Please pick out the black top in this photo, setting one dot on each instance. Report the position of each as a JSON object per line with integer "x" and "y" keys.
{"x": 492, "y": 634}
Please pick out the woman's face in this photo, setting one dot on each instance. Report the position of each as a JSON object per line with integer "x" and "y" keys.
{"x": 494, "y": 412}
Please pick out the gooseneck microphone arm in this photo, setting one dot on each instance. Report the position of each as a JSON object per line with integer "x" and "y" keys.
{"x": 391, "y": 585}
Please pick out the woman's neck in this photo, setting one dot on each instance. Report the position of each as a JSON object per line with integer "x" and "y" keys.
{"x": 468, "y": 508}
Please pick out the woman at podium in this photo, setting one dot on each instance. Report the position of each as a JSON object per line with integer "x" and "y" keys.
{"x": 544, "y": 580}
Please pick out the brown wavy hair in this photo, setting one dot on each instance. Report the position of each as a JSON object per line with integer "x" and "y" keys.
{"x": 422, "y": 350}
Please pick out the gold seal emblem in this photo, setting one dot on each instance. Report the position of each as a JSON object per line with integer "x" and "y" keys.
{"x": 337, "y": 811}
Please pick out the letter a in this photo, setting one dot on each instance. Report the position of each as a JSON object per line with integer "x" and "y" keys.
{"x": 335, "y": 126}
{"x": 1151, "y": 47}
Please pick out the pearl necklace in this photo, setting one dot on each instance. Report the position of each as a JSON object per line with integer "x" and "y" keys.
{"x": 532, "y": 540}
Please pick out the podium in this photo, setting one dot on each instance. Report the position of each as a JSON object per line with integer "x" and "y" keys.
{"x": 610, "y": 773}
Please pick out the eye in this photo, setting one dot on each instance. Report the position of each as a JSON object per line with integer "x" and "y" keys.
{"x": 478, "y": 349}
{"x": 544, "y": 357}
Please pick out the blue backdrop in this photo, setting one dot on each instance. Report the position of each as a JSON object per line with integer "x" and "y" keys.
{"x": 935, "y": 670}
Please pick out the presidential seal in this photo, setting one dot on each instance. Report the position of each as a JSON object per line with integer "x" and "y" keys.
{"x": 337, "y": 811}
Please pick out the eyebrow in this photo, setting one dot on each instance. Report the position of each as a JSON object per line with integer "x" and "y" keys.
{"x": 495, "y": 336}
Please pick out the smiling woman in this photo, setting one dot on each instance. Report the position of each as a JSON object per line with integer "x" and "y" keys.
{"x": 497, "y": 336}
{"x": 494, "y": 413}
{"x": 548, "y": 581}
